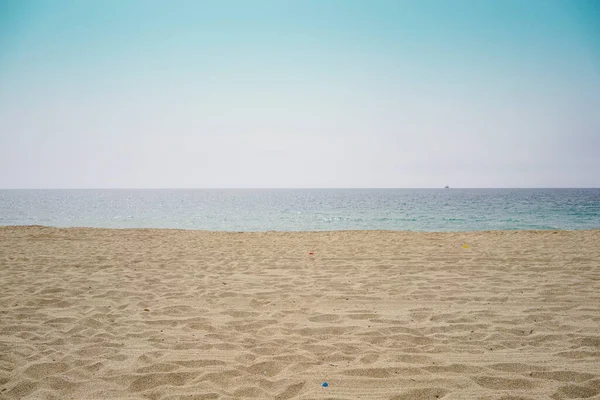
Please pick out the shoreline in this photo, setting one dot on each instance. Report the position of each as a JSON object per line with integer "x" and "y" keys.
{"x": 20, "y": 227}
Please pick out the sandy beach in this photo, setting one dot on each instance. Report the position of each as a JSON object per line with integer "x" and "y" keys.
{"x": 168, "y": 314}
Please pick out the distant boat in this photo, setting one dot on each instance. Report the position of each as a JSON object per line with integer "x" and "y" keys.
{"x": 447, "y": 187}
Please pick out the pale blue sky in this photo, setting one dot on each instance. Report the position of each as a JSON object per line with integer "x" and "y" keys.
{"x": 283, "y": 93}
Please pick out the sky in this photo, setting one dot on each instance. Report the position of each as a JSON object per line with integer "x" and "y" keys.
{"x": 299, "y": 94}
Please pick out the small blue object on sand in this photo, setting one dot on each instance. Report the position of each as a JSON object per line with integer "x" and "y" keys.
{"x": 325, "y": 384}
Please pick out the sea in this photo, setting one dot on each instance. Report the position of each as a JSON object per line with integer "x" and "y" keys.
{"x": 306, "y": 209}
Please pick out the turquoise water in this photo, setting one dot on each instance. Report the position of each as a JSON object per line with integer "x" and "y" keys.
{"x": 306, "y": 209}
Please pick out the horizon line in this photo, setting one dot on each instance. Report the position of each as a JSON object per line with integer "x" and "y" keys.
{"x": 301, "y": 188}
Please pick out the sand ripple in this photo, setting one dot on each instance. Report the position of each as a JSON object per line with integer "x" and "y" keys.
{"x": 165, "y": 314}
